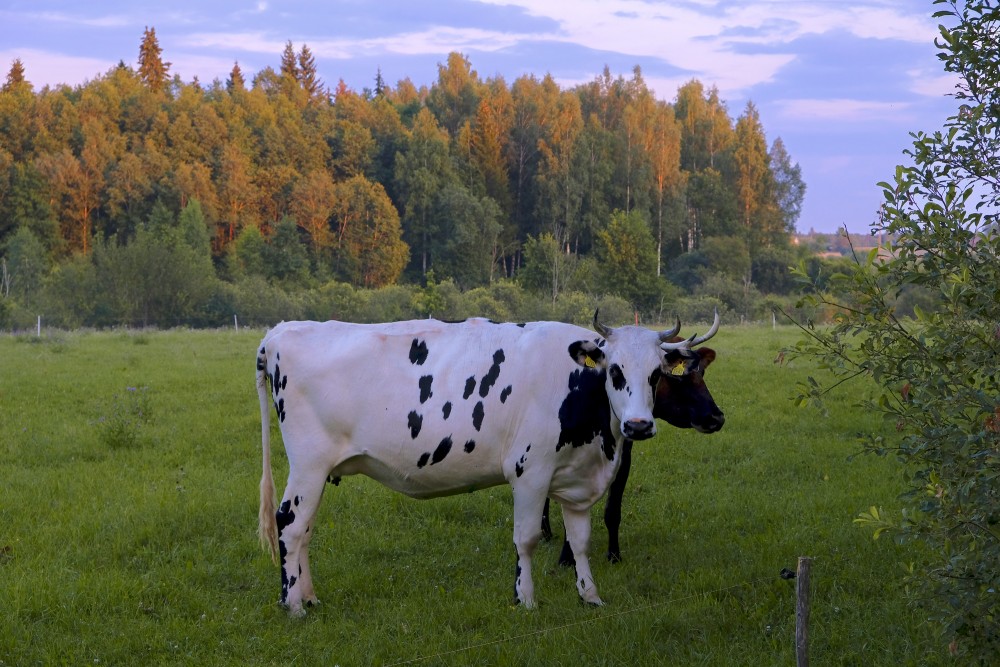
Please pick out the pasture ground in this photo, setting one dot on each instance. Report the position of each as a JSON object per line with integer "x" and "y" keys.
{"x": 130, "y": 539}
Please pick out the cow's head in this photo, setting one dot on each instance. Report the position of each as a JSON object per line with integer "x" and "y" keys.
{"x": 681, "y": 397}
{"x": 633, "y": 364}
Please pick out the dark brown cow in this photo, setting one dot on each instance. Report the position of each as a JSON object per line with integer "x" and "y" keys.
{"x": 681, "y": 399}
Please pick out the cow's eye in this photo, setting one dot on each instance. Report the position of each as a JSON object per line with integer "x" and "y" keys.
{"x": 617, "y": 377}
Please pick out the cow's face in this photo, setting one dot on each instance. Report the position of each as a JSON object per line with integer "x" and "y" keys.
{"x": 681, "y": 397}
{"x": 633, "y": 364}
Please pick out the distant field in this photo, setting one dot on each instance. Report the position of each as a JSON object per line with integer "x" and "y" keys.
{"x": 128, "y": 539}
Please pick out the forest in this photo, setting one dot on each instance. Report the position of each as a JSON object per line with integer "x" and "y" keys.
{"x": 139, "y": 199}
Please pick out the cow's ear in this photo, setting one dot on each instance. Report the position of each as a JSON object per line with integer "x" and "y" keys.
{"x": 587, "y": 354}
{"x": 707, "y": 355}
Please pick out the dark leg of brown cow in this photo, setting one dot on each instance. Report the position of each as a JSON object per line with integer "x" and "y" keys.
{"x": 613, "y": 508}
{"x": 612, "y": 511}
{"x": 546, "y": 526}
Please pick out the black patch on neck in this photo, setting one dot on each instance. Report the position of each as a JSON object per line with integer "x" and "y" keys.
{"x": 505, "y": 393}
{"x": 418, "y": 352}
{"x": 446, "y": 409}
{"x": 585, "y": 414}
{"x": 469, "y": 446}
{"x": 470, "y": 386}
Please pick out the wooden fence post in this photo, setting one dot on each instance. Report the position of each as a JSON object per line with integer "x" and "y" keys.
{"x": 802, "y": 612}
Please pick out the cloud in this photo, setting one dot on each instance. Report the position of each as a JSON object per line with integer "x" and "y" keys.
{"x": 109, "y": 21}
{"x": 735, "y": 45}
{"x": 43, "y": 68}
{"x": 932, "y": 83}
{"x": 842, "y": 110}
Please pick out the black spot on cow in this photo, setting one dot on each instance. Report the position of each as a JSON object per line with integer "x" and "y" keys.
{"x": 414, "y": 421}
{"x": 521, "y": 324}
{"x": 418, "y": 352}
{"x": 284, "y": 381}
{"x": 261, "y": 361}
{"x": 296, "y": 500}
{"x": 424, "y": 458}
{"x": 519, "y": 466}
{"x": 617, "y": 377}
{"x": 491, "y": 375}
{"x": 446, "y": 409}
{"x": 477, "y": 415}
{"x": 442, "y": 451}
{"x": 470, "y": 386}
{"x": 279, "y": 409}
{"x": 469, "y": 446}
{"x": 505, "y": 393}
{"x": 284, "y": 516}
{"x": 585, "y": 415}
{"x": 425, "y": 387}
{"x": 517, "y": 575}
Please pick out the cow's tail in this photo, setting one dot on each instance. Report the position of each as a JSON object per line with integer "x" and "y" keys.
{"x": 267, "y": 527}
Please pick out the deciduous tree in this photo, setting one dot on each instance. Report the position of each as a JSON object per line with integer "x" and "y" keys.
{"x": 936, "y": 376}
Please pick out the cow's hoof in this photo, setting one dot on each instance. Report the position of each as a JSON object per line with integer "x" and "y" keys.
{"x": 593, "y": 602}
{"x": 614, "y": 556}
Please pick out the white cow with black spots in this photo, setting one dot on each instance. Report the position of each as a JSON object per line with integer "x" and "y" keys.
{"x": 431, "y": 408}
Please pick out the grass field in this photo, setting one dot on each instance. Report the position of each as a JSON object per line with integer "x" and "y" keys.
{"x": 129, "y": 538}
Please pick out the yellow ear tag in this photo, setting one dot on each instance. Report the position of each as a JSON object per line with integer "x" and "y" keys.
{"x": 589, "y": 363}
{"x": 678, "y": 369}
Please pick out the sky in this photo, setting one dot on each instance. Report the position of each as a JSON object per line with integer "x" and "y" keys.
{"x": 842, "y": 82}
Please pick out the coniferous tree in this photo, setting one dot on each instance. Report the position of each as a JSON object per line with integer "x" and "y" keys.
{"x": 153, "y": 71}
{"x": 236, "y": 80}
{"x": 290, "y": 62}
{"x": 15, "y": 76}
{"x": 308, "y": 76}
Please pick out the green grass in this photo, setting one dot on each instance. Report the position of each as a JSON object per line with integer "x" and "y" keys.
{"x": 143, "y": 550}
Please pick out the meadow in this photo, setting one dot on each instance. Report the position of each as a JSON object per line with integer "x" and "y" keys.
{"x": 129, "y": 465}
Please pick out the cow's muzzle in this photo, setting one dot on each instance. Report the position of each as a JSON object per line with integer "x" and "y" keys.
{"x": 714, "y": 423}
{"x": 639, "y": 429}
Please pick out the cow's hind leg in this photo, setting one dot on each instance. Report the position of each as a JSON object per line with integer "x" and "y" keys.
{"x": 295, "y": 518}
{"x": 577, "y": 524}
{"x": 308, "y": 594}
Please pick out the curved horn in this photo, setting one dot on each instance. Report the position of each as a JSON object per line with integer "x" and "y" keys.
{"x": 600, "y": 328}
{"x": 711, "y": 332}
{"x": 693, "y": 340}
{"x": 670, "y": 333}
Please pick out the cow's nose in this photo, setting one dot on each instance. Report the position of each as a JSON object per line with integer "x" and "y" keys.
{"x": 639, "y": 429}
{"x": 713, "y": 423}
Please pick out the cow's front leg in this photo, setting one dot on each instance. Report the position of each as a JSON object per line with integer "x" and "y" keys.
{"x": 528, "y": 504}
{"x": 613, "y": 507}
{"x": 577, "y": 524}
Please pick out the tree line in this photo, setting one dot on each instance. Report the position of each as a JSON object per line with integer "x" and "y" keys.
{"x": 599, "y": 189}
